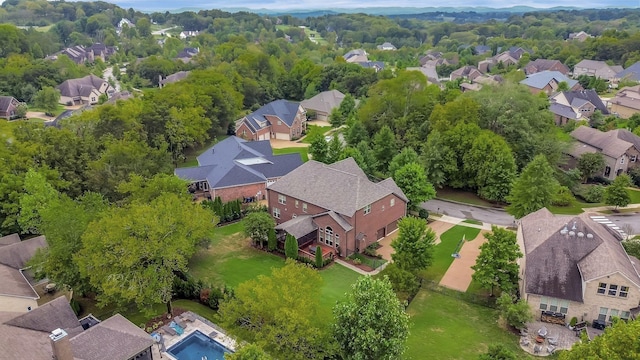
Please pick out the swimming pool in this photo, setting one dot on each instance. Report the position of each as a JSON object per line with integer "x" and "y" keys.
{"x": 198, "y": 346}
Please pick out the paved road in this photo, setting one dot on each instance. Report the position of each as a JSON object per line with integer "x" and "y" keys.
{"x": 108, "y": 75}
{"x": 162, "y": 31}
{"x": 491, "y": 216}
{"x": 500, "y": 217}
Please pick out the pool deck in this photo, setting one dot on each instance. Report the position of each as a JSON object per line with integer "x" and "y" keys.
{"x": 199, "y": 323}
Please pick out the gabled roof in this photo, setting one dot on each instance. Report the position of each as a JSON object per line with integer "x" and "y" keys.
{"x": 325, "y": 186}
{"x": 80, "y": 87}
{"x": 428, "y": 71}
{"x": 17, "y": 254}
{"x": 609, "y": 143}
{"x": 53, "y": 315}
{"x": 630, "y": 73}
{"x": 557, "y": 263}
{"x": 355, "y": 55}
{"x": 234, "y": 161}
{"x": 371, "y": 64}
{"x": 592, "y": 64}
{"x": 115, "y": 338}
{"x": 580, "y": 97}
{"x": 9, "y": 239}
{"x": 324, "y": 102}
{"x": 283, "y": 110}
{"x": 545, "y": 64}
{"x": 6, "y": 101}
{"x": 564, "y": 111}
{"x": 14, "y": 283}
{"x": 541, "y": 79}
{"x": 175, "y": 77}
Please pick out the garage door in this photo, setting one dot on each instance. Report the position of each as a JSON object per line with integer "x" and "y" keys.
{"x": 380, "y": 234}
{"x": 282, "y": 136}
{"x": 392, "y": 227}
{"x": 264, "y": 137}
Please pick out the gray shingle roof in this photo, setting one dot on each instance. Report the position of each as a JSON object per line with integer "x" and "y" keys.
{"x": 221, "y": 167}
{"x": 586, "y": 95}
{"x": 284, "y": 110}
{"x": 9, "y": 239}
{"x": 340, "y": 187}
{"x": 541, "y": 79}
{"x": 630, "y": 73}
{"x": 324, "y": 102}
{"x": 115, "y": 338}
{"x": 298, "y": 226}
{"x": 53, "y": 315}
{"x": 16, "y": 255}
{"x": 5, "y": 102}
{"x": 80, "y": 87}
{"x": 563, "y": 110}
{"x": 557, "y": 264}
{"x": 13, "y": 283}
{"x": 609, "y": 143}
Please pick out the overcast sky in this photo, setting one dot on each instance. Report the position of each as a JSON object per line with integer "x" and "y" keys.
{"x": 337, "y": 4}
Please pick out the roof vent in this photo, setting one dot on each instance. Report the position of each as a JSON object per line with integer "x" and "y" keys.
{"x": 572, "y": 233}
{"x": 580, "y": 234}
{"x": 589, "y": 236}
{"x": 574, "y": 226}
{"x": 564, "y": 231}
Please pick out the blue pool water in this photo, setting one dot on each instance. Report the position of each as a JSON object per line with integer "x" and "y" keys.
{"x": 196, "y": 346}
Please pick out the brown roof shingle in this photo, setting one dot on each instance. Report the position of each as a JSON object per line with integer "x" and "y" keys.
{"x": 609, "y": 143}
{"x": 16, "y": 255}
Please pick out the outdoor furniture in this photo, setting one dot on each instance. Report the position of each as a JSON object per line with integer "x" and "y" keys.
{"x": 49, "y": 288}
{"x": 524, "y": 332}
{"x": 543, "y": 331}
{"x": 537, "y": 349}
{"x": 524, "y": 341}
{"x": 180, "y": 321}
{"x": 551, "y": 349}
{"x": 553, "y": 340}
{"x": 188, "y": 317}
{"x": 168, "y": 330}
{"x": 599, "y": 324}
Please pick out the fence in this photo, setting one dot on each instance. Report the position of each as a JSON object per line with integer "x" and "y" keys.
{"x": 485, "y": 301}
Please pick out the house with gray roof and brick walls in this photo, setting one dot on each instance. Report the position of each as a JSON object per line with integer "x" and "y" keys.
{"x": 575, "y": 266}
{"x": 335, "y": 206}
{"x": 279, "y": 119}
{"x": 236, "y": 168}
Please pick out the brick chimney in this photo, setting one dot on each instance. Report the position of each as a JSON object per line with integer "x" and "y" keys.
{"x": 61, "y": 345}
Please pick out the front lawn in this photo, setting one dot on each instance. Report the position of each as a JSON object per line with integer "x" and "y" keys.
{"x": 574, "y": 208}
{"x": 443, "y": 327}
{"x": 302, "y": 150}
{"x": 634, "y": 195}
{"x": 442, "y": 252}
{"x": 313, "y": 130}
{"x": 463, "y": 196}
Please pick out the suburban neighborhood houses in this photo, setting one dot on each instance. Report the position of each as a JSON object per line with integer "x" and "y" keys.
{"x": 326, "y": 183}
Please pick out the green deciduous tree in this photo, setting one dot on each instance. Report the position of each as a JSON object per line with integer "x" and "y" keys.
{"x": 257, "y": 226}
{"x": 498, "y": 352}
{"x": 291, "y": 247}
{"x": 248, "y": 352}
{"x": 356, "y": 133}
{"x": 280, "y": 313}
{"x": 47, "y": 99}
{"x": 38, "y": 194}
{"x": 371, "y": 323}
{"x": 496, "y": 265}
{"x": 404, "y": 283}
{"x": 335, "y": 149}
{"x": 533, "y": 189}
{"x": 517, "y": 314}
{"x": 319, "y": 149}
{"x": 438, "y": 159}
{"x": 616, "y": 194}
{"x": 132, "y": 253}
{"x": 414, "y": 245}
{"x": 590, "y": 164}
{"x": 411, "y": 178}
{"x": 384, "y": 148}
{"x": 619, "y": 342}
{"x": 406, "y": 156}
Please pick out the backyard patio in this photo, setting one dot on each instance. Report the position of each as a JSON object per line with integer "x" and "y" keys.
{"x": 543, "y": 339}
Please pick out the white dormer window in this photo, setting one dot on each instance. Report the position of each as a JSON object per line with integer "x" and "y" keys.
{"x": 392, "y": 202}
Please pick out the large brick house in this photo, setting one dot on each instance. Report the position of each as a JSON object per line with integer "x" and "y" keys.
{"x": 620, "y": 149}
{"x": 235, "y": 168}
{"x": 336, "y": 205}
{"x": 86, "y": 90}
{"x": 575, "y": 266}
{"x": 8, "y": 107}
{"x": 280, "y": 119}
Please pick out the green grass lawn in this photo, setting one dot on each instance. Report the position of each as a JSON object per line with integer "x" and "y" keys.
{"x": 304, "y": 152}
{"x": 313, "y": 130}
{"x": 369, "y": 261}
{"x": 472, "y": 221}
{"x": 442, "y": 252}
{"x": 634, "y": 195}
{"x": 57, "y": 112}
{"x": 444, "y": 327}
{"x": 231, "y": 260}
{"x": 574, "y": 209}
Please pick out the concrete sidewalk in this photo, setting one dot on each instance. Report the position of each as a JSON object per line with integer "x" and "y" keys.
{"x": 458, "y": 221}
{"x": 610, "y": 208}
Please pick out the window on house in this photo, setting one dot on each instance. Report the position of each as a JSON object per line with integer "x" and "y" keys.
{"x": 543, "y": 303}
{"x": 328, "y": 236}
{"x": 392, "y": 202}
{"x": 282, "y": 199}
{"x": 632, "y": 158}
{"x": 304, "y": 207}
{"x": 276, "y": 213}
{"x": 367, "y": 209}
{"x": 321, "y": 235}
{"x": 564, "y": 306}
{"x": 624, "y": 291}
{"x": 603, "y": 314}
{"x": 613, "y": 290}
{"x": 279, "y": 122}
{"x": 602, "y": 288}
{"x": 337, "y": 239}
{"x": 244, "y": 132}
{"x": 296, "y": 204}
{"x": 622, "y": 160}
{"x": 624, "y": 315}
{"x": 607, "y": 171}
{"x": 613, "y": 313}
{"x": 553, "y": 304}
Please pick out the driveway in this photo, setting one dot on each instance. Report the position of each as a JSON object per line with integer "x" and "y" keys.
{"x": 464, "y": 211}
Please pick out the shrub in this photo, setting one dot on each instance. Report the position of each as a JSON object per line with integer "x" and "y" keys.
{"x": 357, "y": 261}
{"x": 204, "y": 296}
{"x": 214, "y": 298}
{"x": 75, "y": 306}
{"x": 403, "y": 282}
{"x": 291, "y": 247}
{"x": 516, "y": 314}
{"x": 319, "y": 261}
{"x": 573, "y": 322}
{"x": 423, "y": 213}
{"x": 600, "y": 180}
{"x": 563, "y": 197}
{"x": 272, "y": 241}
{"x": 593, "y": 193}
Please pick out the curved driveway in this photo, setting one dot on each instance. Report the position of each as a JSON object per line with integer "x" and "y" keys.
{"x": 501, "y": 217}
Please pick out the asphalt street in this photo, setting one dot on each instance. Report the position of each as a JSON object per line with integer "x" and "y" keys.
{"x": 501, "y": 217}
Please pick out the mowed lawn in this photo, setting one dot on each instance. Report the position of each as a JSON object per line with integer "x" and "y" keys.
{"x": 442, "y": 252}
{"x": 443, "y": 327}
{"x": 315, "y": 130}
{"x": 231, "y": 260}
{"x": 302, "y": 150}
